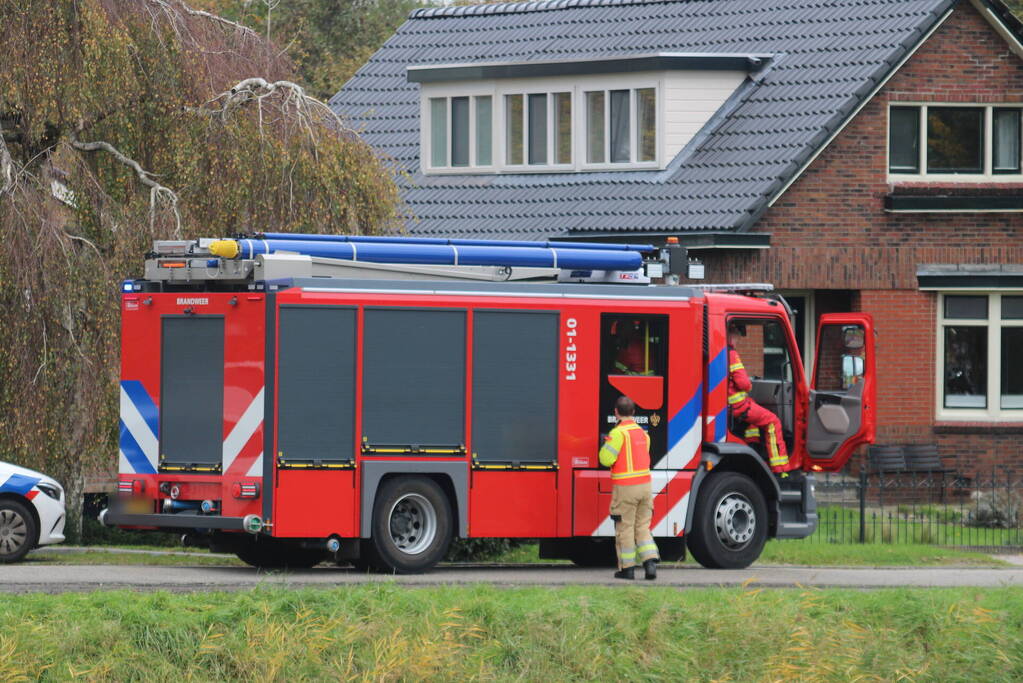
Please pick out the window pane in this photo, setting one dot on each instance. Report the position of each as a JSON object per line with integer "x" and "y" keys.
{"x": 841, "y": 359}
{"x": 1012, "y": 367}
{"x": 438, "y": 131}
{"x": 1006, "y": 142}
{"x": 646, "y": 118}
{"x": 513, "y": 126}
{"x": 1012, "y": 308}
{"x": 595, "y": 127}
{"x": 484, "y": 131}
{"x": 904, "y": 140}
{"x": 563, "y": 122}
{"x": 966, "y": 307}
{"x": 538, "y": 129}
{"x": 459, "y": 131}
{"x": 965, "y": 367}
{"x": 620, "y": 126}
{"x": 955, "y": 140}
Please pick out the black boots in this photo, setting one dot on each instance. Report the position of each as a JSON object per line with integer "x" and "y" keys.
{"x": 649, "y": 569}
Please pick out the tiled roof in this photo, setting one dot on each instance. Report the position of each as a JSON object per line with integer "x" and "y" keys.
{"x": 828, "y": 56}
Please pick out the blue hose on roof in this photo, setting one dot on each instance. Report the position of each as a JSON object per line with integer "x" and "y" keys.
{"x": 455, "y": 242}
{"x": 457, "y": 255}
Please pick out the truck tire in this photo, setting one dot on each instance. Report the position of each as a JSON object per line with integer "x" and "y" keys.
{"x": 730, "y": 522}
{"x": 267, "y": 553}
{"x": 18, "y": 532}
{"x": 412, "y": 526}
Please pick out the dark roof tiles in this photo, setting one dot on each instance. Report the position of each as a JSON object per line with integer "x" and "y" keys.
{"x": 828, "y": 55}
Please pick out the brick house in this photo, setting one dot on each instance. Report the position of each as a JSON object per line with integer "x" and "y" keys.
{"x": 858, "y": 154}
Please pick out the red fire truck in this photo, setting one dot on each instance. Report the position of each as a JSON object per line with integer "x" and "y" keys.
{"x": 366, "y": 400}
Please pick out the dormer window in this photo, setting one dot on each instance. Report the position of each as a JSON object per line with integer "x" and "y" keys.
{"x": 955, "y": 142}
{"x": 461, "y": 132}
{"x": 629, "y": 113}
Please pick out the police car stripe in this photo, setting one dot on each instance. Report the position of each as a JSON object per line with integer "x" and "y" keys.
{"x": 19, "y": 483}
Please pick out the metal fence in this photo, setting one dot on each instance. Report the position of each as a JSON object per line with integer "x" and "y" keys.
{"x": 980, "y": 510}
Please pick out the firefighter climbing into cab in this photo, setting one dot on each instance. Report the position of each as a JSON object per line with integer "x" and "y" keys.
{"x": 761, "y": 425}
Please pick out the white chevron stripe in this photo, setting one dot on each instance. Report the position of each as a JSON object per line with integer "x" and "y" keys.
{"x": 676, "y": 517}
{"x": 123, "y": 466}
{"x": 143, "y": 435}
{"x": 683, "y": 451}
{"x": 257, "y": 467}
{"x": 243, "y": 431}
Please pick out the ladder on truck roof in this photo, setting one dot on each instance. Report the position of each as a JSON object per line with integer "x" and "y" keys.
{"x": 279, "y": 256}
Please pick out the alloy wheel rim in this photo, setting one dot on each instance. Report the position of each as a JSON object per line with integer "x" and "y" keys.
{"x": 413, "y": 524}
{"x": 13, "y": 532}
{"x": 735, "y": 520}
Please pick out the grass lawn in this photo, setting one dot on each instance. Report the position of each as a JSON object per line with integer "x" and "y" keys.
{"x": 776, "y": 552}
{"x": 833, "y": 554}
{"x": 385, "y": 632}
{"x": 163, "y": 557}
{"x": 921, "y": 524}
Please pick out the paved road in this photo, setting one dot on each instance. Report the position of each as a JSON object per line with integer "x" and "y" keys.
{"x": 56, "y": 578}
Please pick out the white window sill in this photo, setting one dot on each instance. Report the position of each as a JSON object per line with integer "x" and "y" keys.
{"x": 953, "y": 179}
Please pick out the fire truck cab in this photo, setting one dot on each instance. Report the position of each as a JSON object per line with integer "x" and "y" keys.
{"x": 295, "y": 404}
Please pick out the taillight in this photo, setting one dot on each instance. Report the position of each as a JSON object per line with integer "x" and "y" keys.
{"x": 245, "y": 490}
{"x": 133, "y": 486}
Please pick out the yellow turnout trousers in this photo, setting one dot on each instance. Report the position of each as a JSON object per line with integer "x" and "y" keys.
{"x": 631, "y": 509}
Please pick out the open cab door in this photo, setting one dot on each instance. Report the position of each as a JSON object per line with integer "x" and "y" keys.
{"x": 842, "y": 392}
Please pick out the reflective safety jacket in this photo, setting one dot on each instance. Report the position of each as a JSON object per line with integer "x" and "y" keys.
{"x": 627, "y": 452}
{"x": 738, "y": 384}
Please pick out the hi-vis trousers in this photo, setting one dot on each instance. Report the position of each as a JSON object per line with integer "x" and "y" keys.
{"x": 632, "y": 507}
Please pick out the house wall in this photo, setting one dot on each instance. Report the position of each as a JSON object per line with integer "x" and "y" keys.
{"x": 837, "y": 206}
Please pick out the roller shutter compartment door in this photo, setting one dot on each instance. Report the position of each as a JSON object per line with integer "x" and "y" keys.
{"x": 192, "y": 390}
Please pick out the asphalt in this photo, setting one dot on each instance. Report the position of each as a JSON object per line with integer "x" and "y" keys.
{"x": 26, "y": 578}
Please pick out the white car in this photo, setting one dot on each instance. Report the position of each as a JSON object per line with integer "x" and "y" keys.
{"x": 31, "y": 511}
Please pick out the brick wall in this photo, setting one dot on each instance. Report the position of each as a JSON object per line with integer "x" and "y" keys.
{"x": 837, "y": 207}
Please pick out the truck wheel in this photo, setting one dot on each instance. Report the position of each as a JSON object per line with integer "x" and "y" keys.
{"x": 593, "y": 553}
{"x": 412, "y": 526}
{"x": 730, "y": 522}
{"x": 272, "y": 554}
{"x": 18, "y": 533}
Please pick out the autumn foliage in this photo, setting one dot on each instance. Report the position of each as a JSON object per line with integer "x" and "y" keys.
{"x": 149, "y": 78}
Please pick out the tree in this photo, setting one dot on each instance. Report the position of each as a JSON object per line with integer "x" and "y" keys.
{"x": 124, "y": 121}
{"x": 328, "y": 39}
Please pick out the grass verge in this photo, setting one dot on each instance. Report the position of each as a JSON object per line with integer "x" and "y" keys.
{"x": 163, "y": 557}
{"x": 385, "y": 632}
{"x": 832, "y": 555}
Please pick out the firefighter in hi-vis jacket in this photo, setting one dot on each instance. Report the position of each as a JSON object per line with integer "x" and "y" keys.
{"x": 627, "y": 452}
{"x": 761, "y": 424}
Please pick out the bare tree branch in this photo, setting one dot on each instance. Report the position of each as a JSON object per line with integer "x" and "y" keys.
{"x": 167, "y": 7}
{"x": 309, "y": 112}
{"x": 157, "y": 192}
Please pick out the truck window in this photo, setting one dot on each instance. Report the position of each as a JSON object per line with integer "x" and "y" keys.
{"x": 842, "y": 358}
{"x": 634, "y": 363}
{"x": 764, "y": 351}
{"x": 635, "y": 345}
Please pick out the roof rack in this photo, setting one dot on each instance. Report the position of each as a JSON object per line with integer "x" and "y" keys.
{"x": 747, "y": 288}
{"x": 275, "y": 256}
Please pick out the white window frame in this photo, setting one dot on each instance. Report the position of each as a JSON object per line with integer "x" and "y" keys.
{"x": 987, "y": 176}
{"x": 426, "y": 139}
{"x": 577, "y": 87}
{"x": 994, "y": 324}
{"x": 809, "y": 327}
